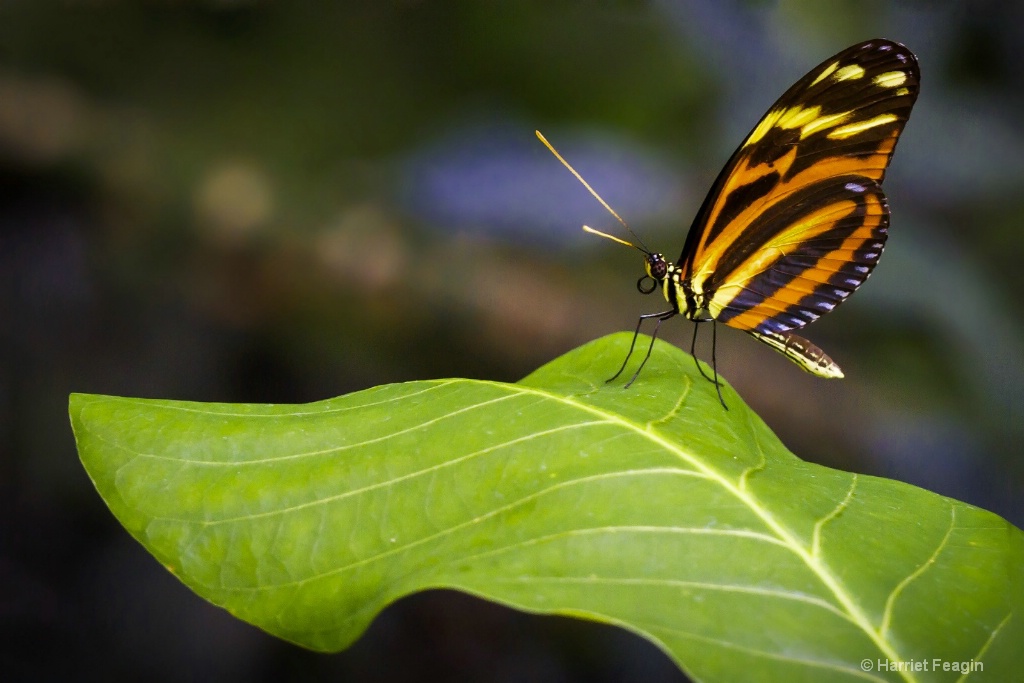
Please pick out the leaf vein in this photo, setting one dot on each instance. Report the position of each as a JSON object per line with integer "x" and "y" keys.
{"x": 988, "y": 642}
{"x": 234, "y": 464}
{"x": 182, "y": 407}
{"x": 742, "y": 533}
{"x": 465, "y": 524}
{"x": 836, "y": 511}
{"x": 388, "y": 483}
{"x": 890, "y": 602}
{"x": 677, "y": 583}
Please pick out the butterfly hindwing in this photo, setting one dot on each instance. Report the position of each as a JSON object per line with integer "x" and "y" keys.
{"x": 797, "y": 219}
{"x": 814, "y": 247}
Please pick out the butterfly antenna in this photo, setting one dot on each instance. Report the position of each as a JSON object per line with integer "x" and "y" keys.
{"x": 642, "y": 247}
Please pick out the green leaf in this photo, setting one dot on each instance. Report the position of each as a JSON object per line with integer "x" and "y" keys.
{"x": 650, "y": 508}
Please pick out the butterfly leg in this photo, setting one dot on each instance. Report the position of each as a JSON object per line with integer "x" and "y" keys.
{"x": 663, "y": 315}
{"x": 693, "y": 351}
{"x": 714, "y": 362}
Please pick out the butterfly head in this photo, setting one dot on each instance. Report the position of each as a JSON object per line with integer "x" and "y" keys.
{"x": 657, "y": 268}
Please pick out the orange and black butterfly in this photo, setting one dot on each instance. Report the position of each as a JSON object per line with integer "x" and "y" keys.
{"x": 797, "y": 219}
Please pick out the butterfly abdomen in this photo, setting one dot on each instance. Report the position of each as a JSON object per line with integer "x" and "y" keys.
{"x": 802, "y": 352}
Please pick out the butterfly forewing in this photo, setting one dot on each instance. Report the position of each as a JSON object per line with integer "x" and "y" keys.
{"x": 797, "y": 219}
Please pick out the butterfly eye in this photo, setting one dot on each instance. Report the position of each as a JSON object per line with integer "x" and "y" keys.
{"x": 656, "y": 266}
{"x": 646, "y": 284}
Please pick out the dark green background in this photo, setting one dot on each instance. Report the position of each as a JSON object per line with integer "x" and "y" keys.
{"x": 283, "y": 202}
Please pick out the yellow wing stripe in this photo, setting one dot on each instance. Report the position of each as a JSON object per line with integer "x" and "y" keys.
{"x": 766, "y": 124}
{"x": 849, "y": 72}
{"x": 825, "y": 73}
{"x": 824, "y": 122}
{"x": 849, "y": 130}
{"x": 890, "y": 79}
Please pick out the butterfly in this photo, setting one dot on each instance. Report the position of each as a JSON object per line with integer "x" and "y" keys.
{"x": 797, "y": 220}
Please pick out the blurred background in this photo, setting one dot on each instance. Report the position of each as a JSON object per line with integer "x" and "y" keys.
{"x": 283, "y": 202}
